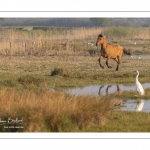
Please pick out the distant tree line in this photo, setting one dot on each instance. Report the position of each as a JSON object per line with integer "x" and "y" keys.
{"x": 128, "y": 22}
{"x": 76, "y": 22}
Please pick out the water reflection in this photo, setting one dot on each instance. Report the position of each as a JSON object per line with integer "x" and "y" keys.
{"x": 132, "y": 105}
{"x": 108, "y": 89}
{"x": 135, "y": 106}
{"x": 97, "y": 90}
{"x": 140, "y": 105}
{"x": 118, "y": 90}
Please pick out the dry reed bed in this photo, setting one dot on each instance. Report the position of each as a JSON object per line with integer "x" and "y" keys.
{"x": 40, "y": 42}
{"x": 19, "y": 42}
{"x": 52, "y": 111}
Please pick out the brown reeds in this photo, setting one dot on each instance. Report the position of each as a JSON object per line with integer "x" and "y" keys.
{"x": 16, "y": 41}
{"x": 52, "y": 111}
{"x": 52, "y": 41}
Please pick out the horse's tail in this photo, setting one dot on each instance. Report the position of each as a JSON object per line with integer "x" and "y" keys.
{"x": 127, "y": 52}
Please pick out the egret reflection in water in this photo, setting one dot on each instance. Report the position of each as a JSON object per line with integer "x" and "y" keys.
{"x": 140, "y": 105}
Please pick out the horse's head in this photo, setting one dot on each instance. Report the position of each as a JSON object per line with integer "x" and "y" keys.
{"x": 100, "y": 39}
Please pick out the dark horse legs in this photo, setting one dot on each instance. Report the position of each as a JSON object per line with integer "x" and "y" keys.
{"x": 107, "y": 62}
{"x": 99, "y": 60}
{"x": 118, "y": 60}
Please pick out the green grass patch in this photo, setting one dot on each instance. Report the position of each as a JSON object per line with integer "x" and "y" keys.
{"x": 31, "y": 79}
{"x": 125, "y": 121}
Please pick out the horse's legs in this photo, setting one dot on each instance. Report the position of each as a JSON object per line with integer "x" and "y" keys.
{"x": 99, "y": 60}
{"x": 118, "y": 60}
{"x": 107, "y": 62}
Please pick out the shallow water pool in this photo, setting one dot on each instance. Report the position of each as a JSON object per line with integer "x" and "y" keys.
{"x": 97, "y": 90}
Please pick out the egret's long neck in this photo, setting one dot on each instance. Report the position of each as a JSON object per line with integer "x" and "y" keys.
{"x": 137, "y": 77}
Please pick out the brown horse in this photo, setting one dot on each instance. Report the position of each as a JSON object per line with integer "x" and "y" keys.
{"x": 110, "y": 51}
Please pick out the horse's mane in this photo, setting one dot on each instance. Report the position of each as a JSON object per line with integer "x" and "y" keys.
{"x": 103, "y": 53}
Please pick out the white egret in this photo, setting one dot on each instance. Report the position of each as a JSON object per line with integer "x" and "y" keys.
{"x": 139, "y": 87}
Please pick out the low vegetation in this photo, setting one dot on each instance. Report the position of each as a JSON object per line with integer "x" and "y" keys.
{"x": 124, "y": 121}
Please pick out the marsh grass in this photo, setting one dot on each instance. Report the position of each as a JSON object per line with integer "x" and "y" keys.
{"x": 52, "y": 111}
{"x": 125, "y": 121}
{"x": 28, "y": 79}
{"x": 68, "y": 71}
{"x": 65, "y": 72}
